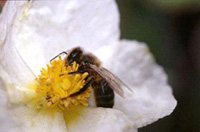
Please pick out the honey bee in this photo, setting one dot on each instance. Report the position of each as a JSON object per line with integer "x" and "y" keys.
{"x": 102, "y": 80}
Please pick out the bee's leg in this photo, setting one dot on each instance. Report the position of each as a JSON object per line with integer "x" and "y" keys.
{"x": 73, "y": 73}
{"x": 87, "y": 78}
{"x": 88, "y": 83}
{"x": 58, "y": 55}
{"x": 76, "y": 72}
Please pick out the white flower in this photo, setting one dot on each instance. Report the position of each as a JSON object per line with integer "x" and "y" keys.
{"x": 34, "y": 32}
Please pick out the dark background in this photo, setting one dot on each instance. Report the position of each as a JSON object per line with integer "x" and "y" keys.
{"x": 171, "y": 29}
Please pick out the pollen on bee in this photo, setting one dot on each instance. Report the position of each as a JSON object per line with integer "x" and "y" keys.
{"x": 55, "y": 86}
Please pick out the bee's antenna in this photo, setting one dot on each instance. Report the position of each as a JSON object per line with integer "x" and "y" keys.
{"x": 58, "y": 55}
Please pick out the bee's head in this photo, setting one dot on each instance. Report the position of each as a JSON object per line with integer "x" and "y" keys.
{"x": 74, "y": 55}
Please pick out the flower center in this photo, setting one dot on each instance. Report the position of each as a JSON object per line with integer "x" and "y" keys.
{"x": 55, "y": 87}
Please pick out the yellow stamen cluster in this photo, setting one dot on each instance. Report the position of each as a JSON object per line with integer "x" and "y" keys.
{"x": 55, "y": 86}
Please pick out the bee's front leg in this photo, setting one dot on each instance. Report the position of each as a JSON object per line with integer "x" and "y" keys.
{"x": 87, "y": 84}
{"x": 76, "y": 72}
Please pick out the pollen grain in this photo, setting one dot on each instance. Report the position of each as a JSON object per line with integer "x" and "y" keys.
{"x": 55, "y": 86}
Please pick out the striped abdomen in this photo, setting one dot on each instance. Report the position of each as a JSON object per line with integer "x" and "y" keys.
{"x": 104, "y": 95}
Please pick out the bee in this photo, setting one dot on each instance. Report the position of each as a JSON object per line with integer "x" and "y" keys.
{"x": 103, "y": 82}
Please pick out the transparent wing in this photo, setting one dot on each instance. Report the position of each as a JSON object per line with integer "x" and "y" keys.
{"x": 114, "y": 82}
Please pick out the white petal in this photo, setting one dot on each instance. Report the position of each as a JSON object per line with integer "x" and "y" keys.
{"x": 4, "y": 121}
{"x": 133, "y": 63}
{"x": 14, "y": 71}
{"x": 42, "y": 29}
{"x": 100, "y": 120}
{"x": 22, "y": 119}
{"x": 42, "y": 122}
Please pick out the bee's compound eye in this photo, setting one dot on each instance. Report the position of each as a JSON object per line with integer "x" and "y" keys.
{"x": 86, "y": 62}
{"x": 70, "y": 62}
{"x": 74, "y": 54}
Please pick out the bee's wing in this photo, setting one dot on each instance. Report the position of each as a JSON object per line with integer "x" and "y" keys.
{"x": 114, "y": 82}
